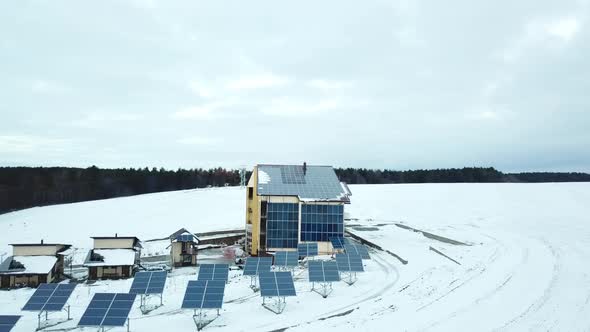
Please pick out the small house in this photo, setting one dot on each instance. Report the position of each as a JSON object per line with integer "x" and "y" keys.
{"x": 32, "y": 264}
{"x": 115, "y": 257}
{"x": 183, "y": 248}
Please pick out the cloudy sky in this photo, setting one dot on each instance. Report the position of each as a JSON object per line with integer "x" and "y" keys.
{"x": 377, "y": 84}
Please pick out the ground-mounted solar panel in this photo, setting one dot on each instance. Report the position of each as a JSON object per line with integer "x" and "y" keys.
{"x": 349, "y": 262}
{"x": 108, "y": 310}
{"x": 276, "y": 284}
{"x": 50, "y": 297}
{"x": 286, "y": 258}
{"x": 204, "y": 294}
{"x": 150, "y": 282}
{"x": 7, "y": 322}
{"x": 308, "y": 249}
{"x": 357, "y": 249}
{"x": 214, "y": 272}
{"x": 323, "y": 271}
{"x": 255, "y": 265}
{"x": 337, "y": 242}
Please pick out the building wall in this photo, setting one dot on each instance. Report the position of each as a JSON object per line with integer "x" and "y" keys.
{"x": 109, "y": 272}
{"x": 35, "y": 250}
{"x": 178, "y": 257}
{"x": 113, "y": 243}
{"x": 253, "y": 214}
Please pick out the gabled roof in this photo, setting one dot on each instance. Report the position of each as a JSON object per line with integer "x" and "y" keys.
{"x": 183, "y": 235}
{"x": 28, "y": 265}
{"x": 309, "y": 183}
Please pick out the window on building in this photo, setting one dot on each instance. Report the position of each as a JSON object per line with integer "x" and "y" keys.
{"x": 282, "y": 225}
{"x": 250, "y": 192}
{"x": 321, "y": 222}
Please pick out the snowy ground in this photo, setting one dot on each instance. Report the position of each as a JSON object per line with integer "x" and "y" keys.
{"x": 524, "y": 266}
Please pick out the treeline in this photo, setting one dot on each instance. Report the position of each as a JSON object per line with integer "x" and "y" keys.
{"x": 24, "y": 187}
{"x": 452, "y": 175}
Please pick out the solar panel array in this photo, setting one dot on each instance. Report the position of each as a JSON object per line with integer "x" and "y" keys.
{"x": 108, "y": 309}
{"x": 149, "y": 282}
{"x": 307, "y": 249}
{"x": 8, "y": 322}
{"x": 273, "y": 284}
{"x": 204, "y": 294}
{"x": 318, "y": 182}
{"x": 214, "y": 272}
{"x": 323, "y": 271}
{"x": 338, "y": 242}
{"x": 185, "y": 238}
{"x": 357, "y": 249}
{"x": 255, "y": 265}
{"x": 349, "y": 263}
{"x": 50, "y": 297}
{"x": 286, "y": 258}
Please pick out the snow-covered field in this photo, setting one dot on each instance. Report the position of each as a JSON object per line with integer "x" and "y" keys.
{"x": 523, "y": 265}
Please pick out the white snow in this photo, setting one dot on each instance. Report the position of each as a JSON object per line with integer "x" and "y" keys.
{"x": 35, "y": 264}
{"x": 263, "y": 177}
{"x": 525, "y": 267}
{"x": 114, "y": 257}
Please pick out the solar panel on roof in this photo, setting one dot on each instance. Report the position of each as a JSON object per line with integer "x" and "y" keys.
{"x": 349, "y": 263}
{"x": 50, "y": 297}
{"x": 108, "y": 309}
{"x": 307, "y": 249}
{"x": 273, "y": 284}
{"x": 318, "y": 182}
{"x": 185, "y": 238}
{"x": 323, "y": 271}
{"x": 255, "y": 265}
{"x": 214, "y": 272}
{"x": 149, "y": 282}
{"x": 204, "y": 294}
{"x": 286, "y": 258}
{"x": 7, "y": 322}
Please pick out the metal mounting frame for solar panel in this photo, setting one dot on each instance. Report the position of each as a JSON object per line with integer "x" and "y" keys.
{"x": 108, "y": 310}
{"x": 278, "y": 286}
{"x": 307, "y": 249}
{"x": 7, "y": 322}
{"x": 286, "y": 259}
{"x": 50, "y": 298}
{"x": 214, "y": 272}
{"x": 323, "y": 273}
{"x": 201, "y": 295}
{"x": 357, "y": 249}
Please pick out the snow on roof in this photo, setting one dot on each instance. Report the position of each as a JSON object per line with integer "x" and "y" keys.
{"x": 111, "y": 257}
{"x": 32, "y": 264}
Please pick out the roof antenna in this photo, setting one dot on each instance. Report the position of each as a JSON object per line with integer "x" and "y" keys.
{"x": 41, "y": 241}
{"x": 304, "y": 168}
{"x": 116, "y": 235}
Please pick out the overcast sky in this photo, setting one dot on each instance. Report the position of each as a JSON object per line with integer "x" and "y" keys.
{"x": 376, "y": 84}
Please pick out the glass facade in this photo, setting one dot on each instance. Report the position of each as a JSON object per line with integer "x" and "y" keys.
{"x": 321, "y": 222}
{"x": 282, "y": 225}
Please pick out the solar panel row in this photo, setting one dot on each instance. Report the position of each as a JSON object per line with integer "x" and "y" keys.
{"x": 349, "y": 263}
{"x": 8, "y": 322}
{"x": 323, "y": 271}
{"x": 204, "y": 294}
{"x": 108, "y": 309}
{"x": 255, "y": 265}
{"x": 276, "y": 284}
{"x": 307, "y": 249}
{"x": 149, "y": 282}
{"x": 214, "y": 272}
{"x": 50, "y": 297}
{"x": 286, "y": 258}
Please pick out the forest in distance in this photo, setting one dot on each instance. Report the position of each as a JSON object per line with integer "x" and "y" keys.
{"x": 25, "y": 187}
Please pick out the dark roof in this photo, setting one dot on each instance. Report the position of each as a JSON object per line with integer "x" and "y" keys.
{"x": 311, "y": 183}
